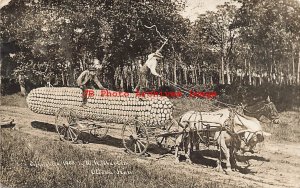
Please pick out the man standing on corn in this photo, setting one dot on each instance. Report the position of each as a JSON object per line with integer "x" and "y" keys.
{"x": 88, "y": 79}
{"x": 145, "y": 70}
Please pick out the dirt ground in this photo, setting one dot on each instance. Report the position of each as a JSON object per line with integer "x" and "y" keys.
{"x": 276, "y": 165}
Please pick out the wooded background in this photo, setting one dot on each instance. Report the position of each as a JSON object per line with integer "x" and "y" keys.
{"x": 243, "y": 42}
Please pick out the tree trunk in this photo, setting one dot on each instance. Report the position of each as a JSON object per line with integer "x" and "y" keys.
{"x": 63, "y": 78}
{"x": 288, "y": 75}
{"x": 292, "y": 80}
{"x": 211, "y": 80}
{"x": 174, "y": 72}
{"x": 249, "y": 73}
{"x": 298, "y": 72}
{"x": 199, "y": 72}
{"x": 193, "y": 76}
{"x": 245, "y": 71}
{"x": 196, "y": 76}
{"x": 228, "y": 74}
{"x": 270, "y": 75}
{"x": 0, "y": 78}
{"x": 293, "y": 71}
{"x": 255, "y": 75}
{"x": 131, "y": 76}
{"x": 185, "y": 75}
{"x": 222, "y": 70}
{"x": 260, "y": 76}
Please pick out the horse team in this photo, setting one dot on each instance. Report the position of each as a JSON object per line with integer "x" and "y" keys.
{"x": 232, "y": 130}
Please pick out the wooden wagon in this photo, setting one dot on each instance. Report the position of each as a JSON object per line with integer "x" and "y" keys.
{"x": 139, "y": 117}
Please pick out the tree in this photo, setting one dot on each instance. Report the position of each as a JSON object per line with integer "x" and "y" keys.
{"x": 216, "y": 37}
{"x": 271, "y": 29}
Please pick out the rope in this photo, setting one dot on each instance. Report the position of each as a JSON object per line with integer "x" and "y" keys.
{"x": 185, "y": 90}
{"x": 177, "y": 86}
{"x": 227, "y": 104}
{"x": 256, "y": 111}
{"x": 150, "y": 27}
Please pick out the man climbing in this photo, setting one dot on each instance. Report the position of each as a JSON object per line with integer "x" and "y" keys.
{"x": 145, "y": 70}
{"x": 89, "y": 80}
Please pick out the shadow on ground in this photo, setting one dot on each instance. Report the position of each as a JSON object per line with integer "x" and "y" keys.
{"x": 209, "y": 158}
{"x": 85, "y": 137}
{"x": 204, "y": 157}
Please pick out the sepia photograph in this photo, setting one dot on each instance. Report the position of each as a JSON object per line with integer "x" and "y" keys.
{"x": 149, "y": 93}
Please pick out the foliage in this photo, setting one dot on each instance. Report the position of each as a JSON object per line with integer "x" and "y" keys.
{"x": 58, "y": 39}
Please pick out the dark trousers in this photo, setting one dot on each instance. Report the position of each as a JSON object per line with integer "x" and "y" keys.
{"x": 142, "y": 84}
{"x": 88, "y": 85}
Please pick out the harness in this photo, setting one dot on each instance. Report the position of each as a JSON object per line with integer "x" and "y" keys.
{"x": 254, "y": 134}
{"x": 196, "y": 125}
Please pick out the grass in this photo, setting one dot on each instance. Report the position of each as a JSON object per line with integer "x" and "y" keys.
{"x": 186, "y": 104}
{"x": 288, "y": 129}
{"x": 28, "y": 161}
{"x": 13, "y": 100}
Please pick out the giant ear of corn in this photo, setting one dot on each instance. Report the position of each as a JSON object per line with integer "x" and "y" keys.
{"x": 153, "y": 110}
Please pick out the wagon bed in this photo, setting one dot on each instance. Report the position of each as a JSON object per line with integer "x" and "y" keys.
{"x": 140, "y": 117}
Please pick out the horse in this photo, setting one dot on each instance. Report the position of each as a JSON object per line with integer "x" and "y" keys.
{"x": 264, "y": 108}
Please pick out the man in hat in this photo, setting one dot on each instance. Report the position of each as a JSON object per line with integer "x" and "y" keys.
{"x": 88, "y": 80}
{"x": 145, "y": 70}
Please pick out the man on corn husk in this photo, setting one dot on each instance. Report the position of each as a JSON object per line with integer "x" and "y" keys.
{"x": 88, "y": 80}
{"x": 145, "y": 70}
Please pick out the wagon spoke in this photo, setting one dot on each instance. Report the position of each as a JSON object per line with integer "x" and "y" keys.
{"x": 75, "y": 136}
{"x": 71, "y": 134}
{"x": 68, "y": 135}
{"x": 141, "y": 143}
{"x": 137, "y": 143}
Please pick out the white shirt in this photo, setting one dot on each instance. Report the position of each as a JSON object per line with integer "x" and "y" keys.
{"x": 151, "y": 63}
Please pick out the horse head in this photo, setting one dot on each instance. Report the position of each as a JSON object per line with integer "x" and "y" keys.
{"x": 250, "y": 139}
{"x": 249, "y": 131}
{"x": 272, "y": 113}
{"x": 264, "y": 108}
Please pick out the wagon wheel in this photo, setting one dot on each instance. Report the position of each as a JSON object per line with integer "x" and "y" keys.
{"x": 100, "y": 130}
{"x": 135, "y": 137}
{"x": 165, "y": 141}
{"x": 65, "y": 123}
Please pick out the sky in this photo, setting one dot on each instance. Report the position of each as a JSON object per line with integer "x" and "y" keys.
{"x": 3, "y": 3}
{"x": 193, "y": 7}
{"x": 196, "y": 7}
